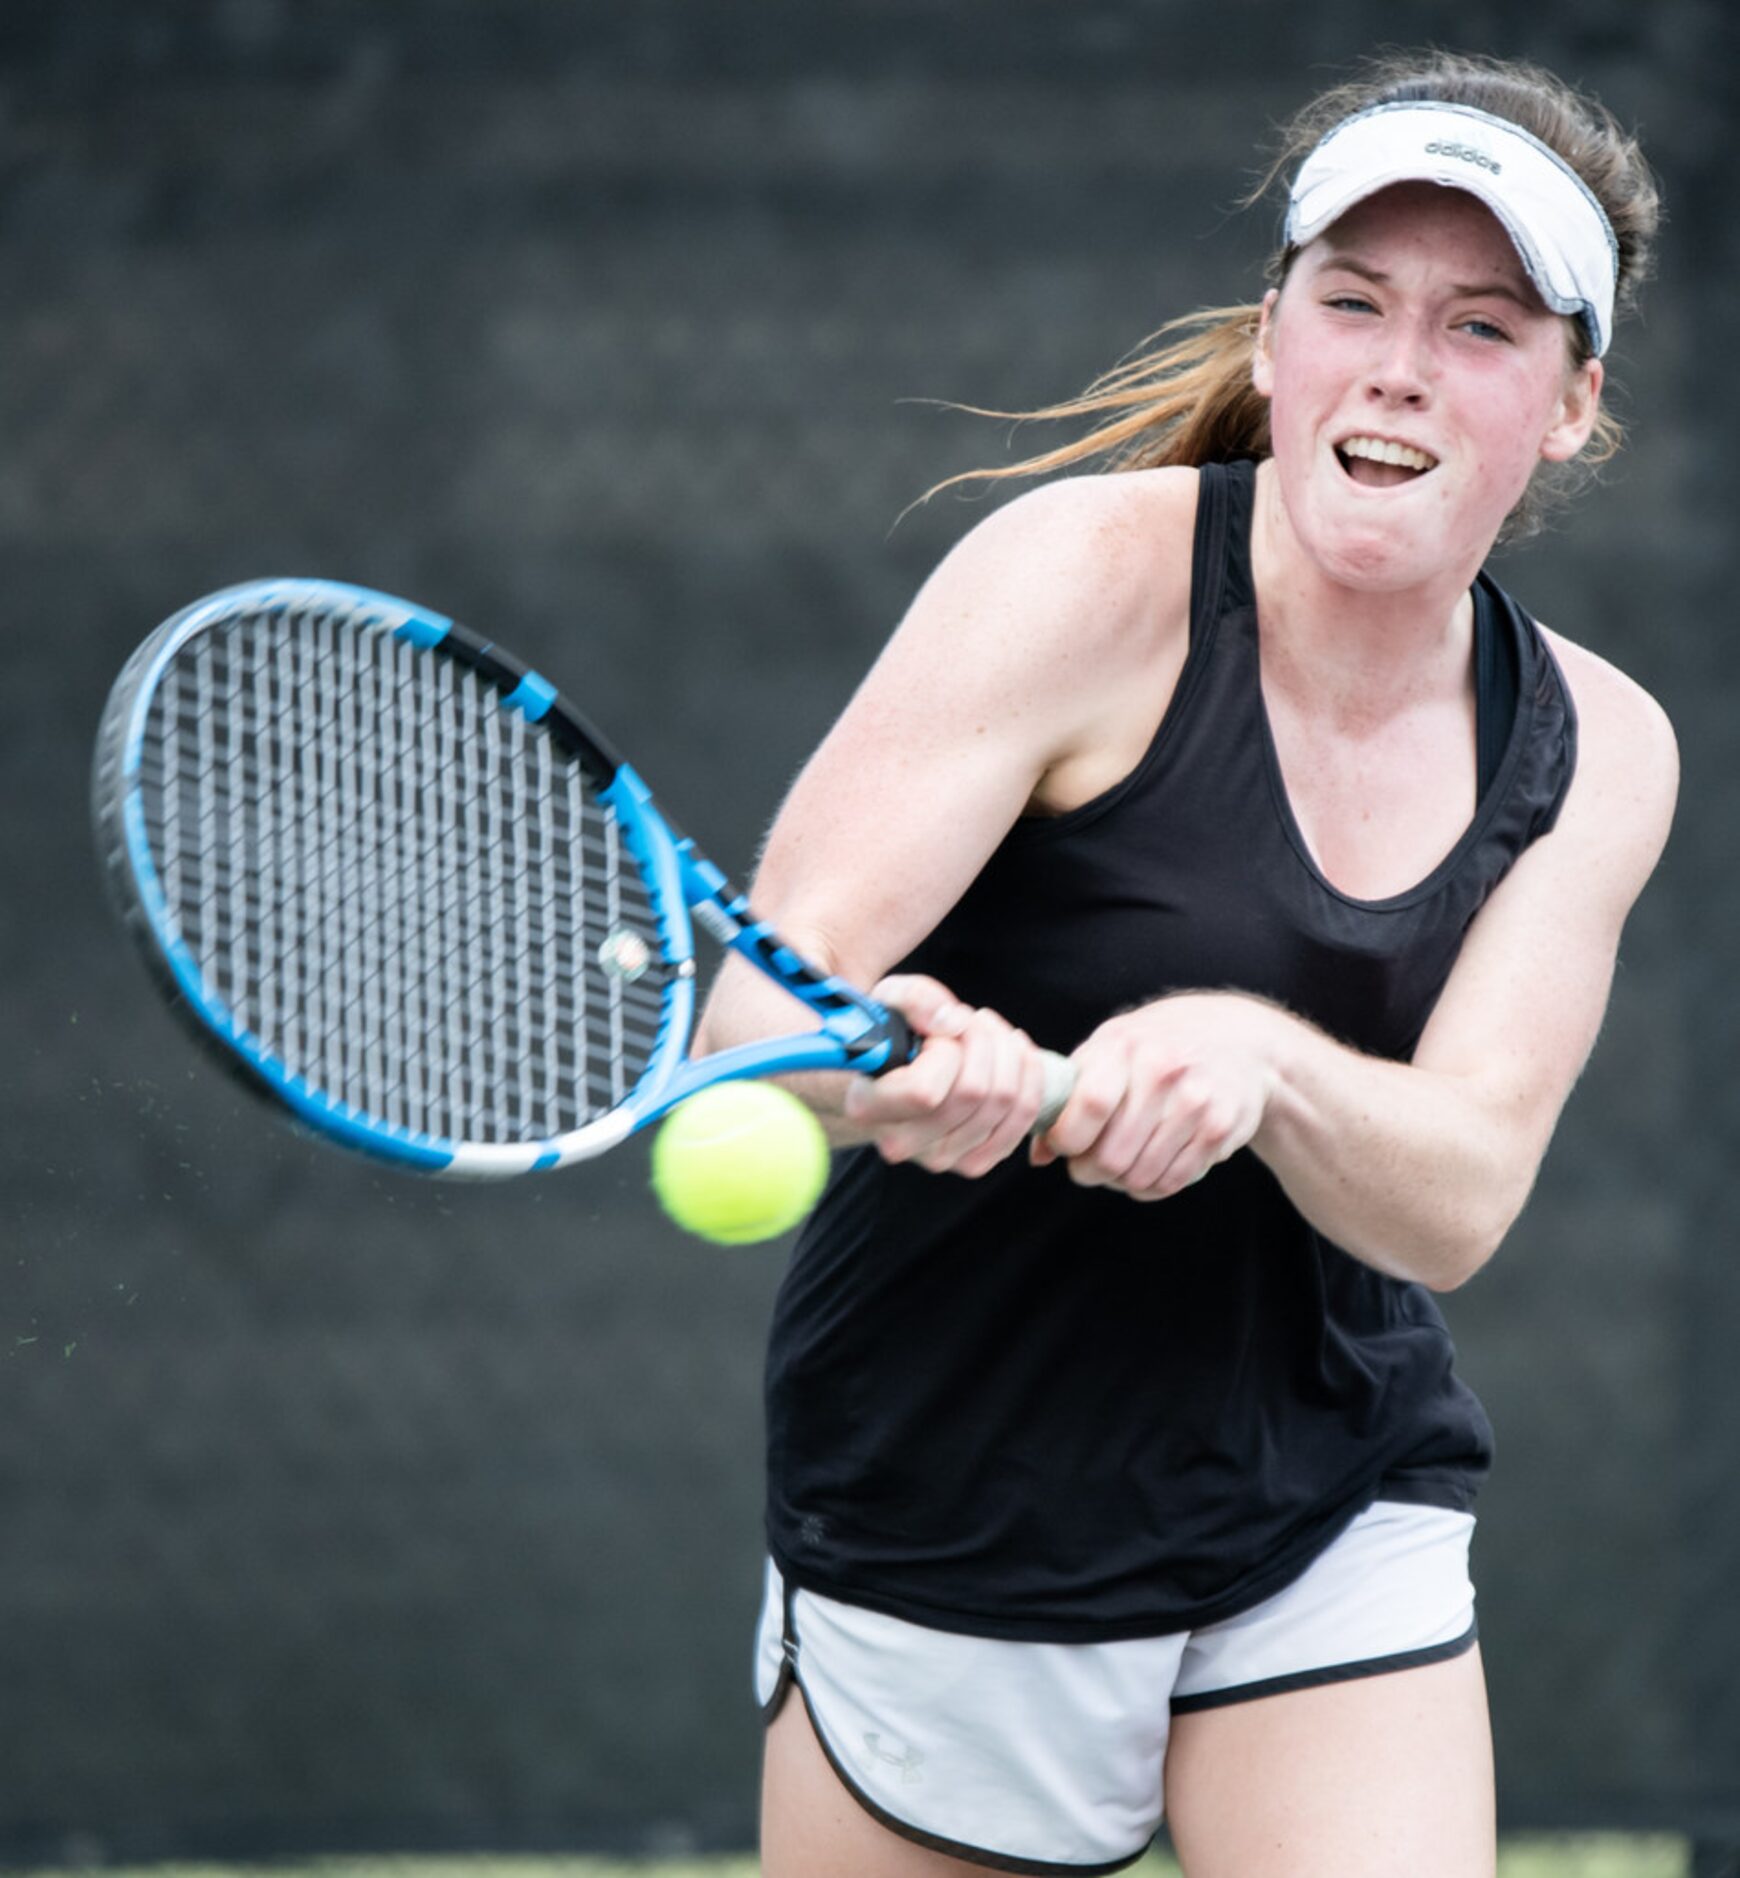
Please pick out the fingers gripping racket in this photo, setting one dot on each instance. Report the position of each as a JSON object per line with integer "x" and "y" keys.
{"x": 406, "y": 892}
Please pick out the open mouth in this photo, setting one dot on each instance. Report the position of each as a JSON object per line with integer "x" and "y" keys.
{"x": 1381, "y": 463}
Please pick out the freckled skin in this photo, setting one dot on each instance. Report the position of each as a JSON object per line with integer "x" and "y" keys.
{"x": 1374, "y": 334}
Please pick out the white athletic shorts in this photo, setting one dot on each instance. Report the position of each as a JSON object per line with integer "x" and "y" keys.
{"x": 1048, "y": 1757}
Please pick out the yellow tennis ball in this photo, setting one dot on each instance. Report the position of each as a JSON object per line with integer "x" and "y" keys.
{"x": 739, "y": 1162}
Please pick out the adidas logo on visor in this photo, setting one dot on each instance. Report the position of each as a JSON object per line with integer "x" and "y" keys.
{"x": 1466, "y": 152}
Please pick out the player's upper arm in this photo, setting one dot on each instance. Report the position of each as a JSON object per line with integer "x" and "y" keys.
{"x": 1017, "y": 663}
{"x": 1525, "y": 1001}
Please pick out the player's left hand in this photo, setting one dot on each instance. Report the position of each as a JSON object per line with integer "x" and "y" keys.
{"x": 1165, "y": 1092}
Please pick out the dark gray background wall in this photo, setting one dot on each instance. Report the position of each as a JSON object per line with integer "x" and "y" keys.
{"x": 338, "y": 1511}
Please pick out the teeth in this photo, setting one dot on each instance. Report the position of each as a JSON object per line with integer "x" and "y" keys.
{"x": 1379, "y": 450}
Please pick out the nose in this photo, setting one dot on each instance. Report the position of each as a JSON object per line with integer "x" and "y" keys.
{"x": 1401, "y": 372}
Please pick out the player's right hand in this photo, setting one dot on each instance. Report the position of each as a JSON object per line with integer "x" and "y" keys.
{"x": 969, "y": 1098}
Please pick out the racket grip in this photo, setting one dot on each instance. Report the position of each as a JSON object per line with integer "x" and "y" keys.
{"x": 1059, "y": 1085}
{"x": 903, "y": 1042}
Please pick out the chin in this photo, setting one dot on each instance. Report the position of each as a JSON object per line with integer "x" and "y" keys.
{"x": 1382, "y": 568}
{"x": 1372, "y": 550}
{"x": 1408, "y": 537}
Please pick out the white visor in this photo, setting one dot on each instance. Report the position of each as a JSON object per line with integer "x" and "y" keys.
{"x": 1555, "y": 222}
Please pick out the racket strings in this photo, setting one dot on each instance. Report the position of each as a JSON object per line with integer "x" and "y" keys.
{"x": 408, "y": 896}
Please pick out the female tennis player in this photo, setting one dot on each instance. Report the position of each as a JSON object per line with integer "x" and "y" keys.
{"x": 1132, "y": 1472}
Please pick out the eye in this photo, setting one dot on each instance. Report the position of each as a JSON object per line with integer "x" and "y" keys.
{"x": 1349, "y": 303}
{"x": 1485, "y": 329}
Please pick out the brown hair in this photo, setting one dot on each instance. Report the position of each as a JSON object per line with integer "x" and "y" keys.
{"x": 1185, "y": 396}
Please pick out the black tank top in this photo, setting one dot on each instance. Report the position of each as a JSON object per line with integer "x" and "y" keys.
{"x": 1017, "y": 1408}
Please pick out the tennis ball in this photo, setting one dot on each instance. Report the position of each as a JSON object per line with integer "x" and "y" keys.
{"x": 739, "y": 1162}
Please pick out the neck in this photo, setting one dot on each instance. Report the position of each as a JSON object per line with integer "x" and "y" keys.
{"x": 1353, "y": 642}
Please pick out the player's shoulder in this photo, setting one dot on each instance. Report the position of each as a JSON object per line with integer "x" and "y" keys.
{"x": 1627, "y": 752}
{"x": 1612, "y": 705}
{"x": 1105, "y": 544}
{"x": 1136, "y": 509}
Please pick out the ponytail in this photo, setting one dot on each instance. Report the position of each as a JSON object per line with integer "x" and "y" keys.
{"x": 1186, "y": 401}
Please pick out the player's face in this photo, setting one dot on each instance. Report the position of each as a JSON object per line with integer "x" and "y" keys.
{"x": 1415, "y": 381}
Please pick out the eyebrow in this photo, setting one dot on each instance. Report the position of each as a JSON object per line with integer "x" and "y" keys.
{"x": 1497, "y": 289}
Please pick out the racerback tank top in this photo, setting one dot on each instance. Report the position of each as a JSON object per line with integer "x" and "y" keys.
{"x": 1017, "y": 1408}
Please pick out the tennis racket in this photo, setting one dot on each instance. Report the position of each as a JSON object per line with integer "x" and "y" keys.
{"x": 406, "y": 892}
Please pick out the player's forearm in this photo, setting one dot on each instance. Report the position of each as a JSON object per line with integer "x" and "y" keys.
{"x": 1412, "y": 1171}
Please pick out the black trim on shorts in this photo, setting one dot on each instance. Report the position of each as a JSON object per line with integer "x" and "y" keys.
{"x": 790, "y": 1677}
{"x": 788, "y": 1656}
{"x": 1321, "y": 1678}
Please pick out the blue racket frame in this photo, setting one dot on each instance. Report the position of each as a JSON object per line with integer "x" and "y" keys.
{"x": 854, "y": 1031}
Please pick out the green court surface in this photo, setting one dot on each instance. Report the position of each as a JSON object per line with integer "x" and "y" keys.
{"x": 1590, "y": 1856}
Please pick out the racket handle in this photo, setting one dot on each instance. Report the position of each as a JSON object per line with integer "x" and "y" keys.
{"x": 903, "y": 1042}
{"x": 1059, "y": 1086}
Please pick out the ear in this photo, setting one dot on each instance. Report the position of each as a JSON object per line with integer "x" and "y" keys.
{"x": 1262, "y": 354}
{"x": 1574, "y": 419}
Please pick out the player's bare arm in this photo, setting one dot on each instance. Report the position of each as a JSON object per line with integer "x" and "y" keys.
{"x": 1028, "y": 676}
{"x": 1421, "y": 1168}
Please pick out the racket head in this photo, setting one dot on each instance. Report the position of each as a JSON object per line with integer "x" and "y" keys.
{"x": 393, "y": 880}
